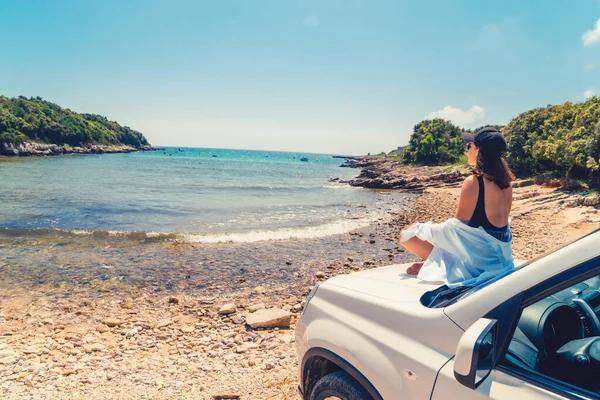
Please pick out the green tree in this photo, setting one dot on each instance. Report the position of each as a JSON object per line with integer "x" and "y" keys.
{"x": 434, "y": 142}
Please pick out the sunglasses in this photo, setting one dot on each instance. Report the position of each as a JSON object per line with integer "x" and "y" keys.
{"x": 469, "y": 145}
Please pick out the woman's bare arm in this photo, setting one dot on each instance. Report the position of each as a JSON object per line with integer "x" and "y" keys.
{"x": 468, "y": 199}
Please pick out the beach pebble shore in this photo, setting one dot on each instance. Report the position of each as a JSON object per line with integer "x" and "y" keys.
{"x": 67, "y": 341}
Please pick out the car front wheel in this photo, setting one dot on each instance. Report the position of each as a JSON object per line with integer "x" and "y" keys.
{"x": 339, "y": 386}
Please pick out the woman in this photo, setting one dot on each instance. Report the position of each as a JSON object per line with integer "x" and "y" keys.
{"x": 476, "y": 243}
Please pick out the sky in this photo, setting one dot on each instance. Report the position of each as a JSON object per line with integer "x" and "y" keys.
{"x": 323, "y": 76}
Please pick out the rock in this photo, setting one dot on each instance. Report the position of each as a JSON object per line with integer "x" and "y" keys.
{"x": 102, "y": 328}
{"x": 226, "y": 396}
{"x": 271, "y": 318}
{"x": 320, "y": 275}
{"x": 286, "y": 339}
{"x": 256, "y": 307}
{"x": 164, "y": 323}
{"x": 132, "y": 333}
{"x": 32, "y": 350}
{"x": 8, "y": 357}
{"x": 89, "y": 348}
{"x": 522, "y": 183}
{"x": 173, "y": 300}
{"x": 591, "y": 201}
{"x": 112, "y": 322}
{"x": 236, "y": 319}
{"x": 245, "y": 347}
{"x": 68, "y": 372}
{"x": 187, "y": 329}
{"x": 297, "y": 307}
{"x": 259, "y": 289}
{"x": 227, "y": 309}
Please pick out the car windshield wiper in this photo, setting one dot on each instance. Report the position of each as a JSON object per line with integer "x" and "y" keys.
{"x": 445, "y": 296}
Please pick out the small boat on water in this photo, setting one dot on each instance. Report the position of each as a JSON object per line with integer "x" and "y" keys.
{"x": 304, "y": 159}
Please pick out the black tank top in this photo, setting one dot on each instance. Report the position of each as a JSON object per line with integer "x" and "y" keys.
{"x": 479, "y": 217}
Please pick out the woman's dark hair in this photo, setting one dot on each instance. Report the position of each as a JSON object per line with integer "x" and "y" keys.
{"x": 495, "y": 168}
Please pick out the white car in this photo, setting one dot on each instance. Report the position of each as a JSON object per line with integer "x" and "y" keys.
{"x": 532, "y": 333}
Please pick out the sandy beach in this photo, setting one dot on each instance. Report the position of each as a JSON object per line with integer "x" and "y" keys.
{"x": 108, "y": 340}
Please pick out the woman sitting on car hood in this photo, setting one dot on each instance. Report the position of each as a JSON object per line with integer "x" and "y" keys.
{"x": 476, "y": 244}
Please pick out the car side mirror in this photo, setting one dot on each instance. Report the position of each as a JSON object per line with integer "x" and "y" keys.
{"x": 475, "y": 356}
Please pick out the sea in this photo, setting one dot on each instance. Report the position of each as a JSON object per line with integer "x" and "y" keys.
{"x": 151, "y": 218}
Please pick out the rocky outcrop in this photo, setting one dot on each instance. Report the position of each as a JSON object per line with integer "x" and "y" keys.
{"x": 26, "y": 149}
{"x": 381, "y": 173}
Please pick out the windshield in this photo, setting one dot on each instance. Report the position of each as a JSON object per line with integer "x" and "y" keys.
{"x": 445, "y": 296}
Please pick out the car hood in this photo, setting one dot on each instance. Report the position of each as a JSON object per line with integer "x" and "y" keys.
{"x": 390, "y": 283}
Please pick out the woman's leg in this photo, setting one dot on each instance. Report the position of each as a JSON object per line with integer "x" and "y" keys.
{"x": 420, "y": 248}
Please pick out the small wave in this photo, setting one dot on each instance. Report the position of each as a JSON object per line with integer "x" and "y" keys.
{"x": 312, "y": 232}
{"x": 337, "y": 185}
{"x": 307, "y": 232}
{"x": 138, "y": 235}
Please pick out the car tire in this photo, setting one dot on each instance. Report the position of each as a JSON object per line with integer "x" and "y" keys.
{"x": 339, "y": 385}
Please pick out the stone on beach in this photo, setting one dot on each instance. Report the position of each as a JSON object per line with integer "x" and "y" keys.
{"x": 271, "y": 318}
{"x": 112, "y": 322}
{"x": 187, "y": 329}
{"x": 132, "y": 333}
{"x": 256, "y": 307}
{"x": 226, "y": 396}
{"x": 227, "y": 309}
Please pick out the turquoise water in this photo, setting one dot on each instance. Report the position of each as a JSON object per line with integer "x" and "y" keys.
{"x": 195, "y": 195}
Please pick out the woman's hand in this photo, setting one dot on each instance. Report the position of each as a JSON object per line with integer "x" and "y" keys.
{"x": 414, "y": 269}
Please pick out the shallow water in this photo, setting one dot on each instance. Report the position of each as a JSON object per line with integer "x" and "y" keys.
{"x": 115, "y": 223}
{"x": 251, "y": 195}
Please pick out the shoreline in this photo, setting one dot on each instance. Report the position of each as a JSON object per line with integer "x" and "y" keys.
{"x": 33, "y": 149}
{"x": 172, "y": 339}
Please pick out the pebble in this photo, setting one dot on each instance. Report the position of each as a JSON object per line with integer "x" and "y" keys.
{"x": 132, "y": 333}
{"x": 164, "y": 323}
{"x": 256, "y": 307}
{"x": 112, "y": 322}
{"x": 320, "y": 275}
{"x": 226, "y": 396}
{"x": 227, "y": 309}
{"x": 89, "y": 348}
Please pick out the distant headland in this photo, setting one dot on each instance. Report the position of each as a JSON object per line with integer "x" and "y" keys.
{"x": 34, "y": 126}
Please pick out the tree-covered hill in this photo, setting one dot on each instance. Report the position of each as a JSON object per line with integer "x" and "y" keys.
{"x": 38, "y": 120}
{"x": 561, "y": 138}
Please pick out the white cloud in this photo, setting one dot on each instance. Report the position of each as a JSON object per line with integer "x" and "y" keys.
{"x": 496, "y": 36}
{"x": 590, "y": 67}
{"x": 458, "y": 116}
{"x": 592, "y": 36}
{"x": 588, "y": 93}
{"x": 311, "y": 21}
